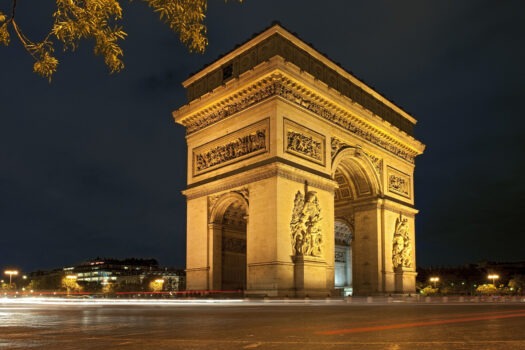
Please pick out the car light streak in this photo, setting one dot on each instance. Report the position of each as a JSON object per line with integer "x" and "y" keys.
{"x": 108, "y": 301}
{"x": 421, "y": 324}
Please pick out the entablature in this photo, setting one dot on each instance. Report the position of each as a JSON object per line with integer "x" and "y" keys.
{"x": 281, "y": 79}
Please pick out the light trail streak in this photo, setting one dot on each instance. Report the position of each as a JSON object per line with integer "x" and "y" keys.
{"x": 107, "y": 301}
{"x": 422, "y": 323}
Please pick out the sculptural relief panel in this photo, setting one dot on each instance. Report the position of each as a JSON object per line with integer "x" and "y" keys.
{"x": 303, "y": 142}
{"x": 242, "y": 144}
{"x": 306, "y": 234}
{"x": 398, "y": 182}
{"x": 401, "y": 244}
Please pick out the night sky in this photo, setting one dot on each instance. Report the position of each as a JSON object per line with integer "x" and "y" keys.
{"x": 94, "y": 165}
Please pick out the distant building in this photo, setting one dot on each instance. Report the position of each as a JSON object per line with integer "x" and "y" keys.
{"x": 130, "y": 272}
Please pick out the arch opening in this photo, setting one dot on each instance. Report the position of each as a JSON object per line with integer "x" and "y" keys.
{"x": 356, "y": 183}
{"x": 230, "y": 243}
{"x": 233, "y": 252}
{"x": 343, "y": 255}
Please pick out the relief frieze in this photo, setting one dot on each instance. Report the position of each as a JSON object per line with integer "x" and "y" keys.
{"x": 304, "y": 142}
{"x": 341, "y": 120}
{"x": 398, "y": 182}
{"x": 242, "y": 144}
{"x": 277, "y": 85}
{"x": 231, "y": 106}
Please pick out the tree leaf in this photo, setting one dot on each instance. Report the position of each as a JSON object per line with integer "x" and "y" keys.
{"x": 4, "y": 34}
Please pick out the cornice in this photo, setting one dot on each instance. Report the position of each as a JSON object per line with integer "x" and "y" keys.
{"x": 305, "y": 49}
{"x": 277, "y": 83}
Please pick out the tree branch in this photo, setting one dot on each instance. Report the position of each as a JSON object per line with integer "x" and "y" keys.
{"x": 13, "y": 11}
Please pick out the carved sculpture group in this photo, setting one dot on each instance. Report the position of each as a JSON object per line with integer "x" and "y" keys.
{"x": 239, "y": 147}
{"x": 307, "y": 238}
{"x": 398, "y": 184}
{"x": 401, "y": 244}
{"x": 305, "y": 145}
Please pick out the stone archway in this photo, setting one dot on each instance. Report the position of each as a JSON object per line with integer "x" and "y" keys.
{"x": 357, "y": 193}
{"x": 228, "y": 230}
{"x": 233, "y": 252}
{"x": 310, "y": 143}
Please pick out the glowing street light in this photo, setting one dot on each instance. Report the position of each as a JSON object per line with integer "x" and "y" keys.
{"x": 493, "y": 277}
{"x": 11, "y": 273}
{"x": 434, "y": 280}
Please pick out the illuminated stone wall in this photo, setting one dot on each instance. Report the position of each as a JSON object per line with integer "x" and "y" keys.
{"x": 297, "y": 154}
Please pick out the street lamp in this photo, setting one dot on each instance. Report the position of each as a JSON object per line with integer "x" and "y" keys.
{"x": 434, "y": 280}
{"x": 11, "y": 273}
{"x": 493, "y": 277}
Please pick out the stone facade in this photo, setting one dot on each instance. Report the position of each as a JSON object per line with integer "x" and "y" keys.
{"x": 282, "y": 145}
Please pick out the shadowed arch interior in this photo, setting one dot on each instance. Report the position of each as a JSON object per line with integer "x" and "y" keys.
{"x": 230, "y": 219}
{"x": 343, "y": 253}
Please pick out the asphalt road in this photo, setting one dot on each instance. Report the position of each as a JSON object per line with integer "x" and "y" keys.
{"x": 260, "y": 325}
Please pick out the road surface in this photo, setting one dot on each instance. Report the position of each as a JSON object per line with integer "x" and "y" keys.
{"x": 240, "y": 324}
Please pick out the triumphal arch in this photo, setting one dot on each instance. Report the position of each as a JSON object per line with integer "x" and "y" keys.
{"x": 300, "y": 176}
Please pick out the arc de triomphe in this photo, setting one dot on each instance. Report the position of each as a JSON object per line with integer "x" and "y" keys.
{"x": 300, "y": 176}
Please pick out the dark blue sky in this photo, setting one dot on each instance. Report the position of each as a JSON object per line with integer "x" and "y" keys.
{"x": 93, "y": 164}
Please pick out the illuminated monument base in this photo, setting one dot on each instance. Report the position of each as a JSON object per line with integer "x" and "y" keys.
{"x": 300, "y": 177}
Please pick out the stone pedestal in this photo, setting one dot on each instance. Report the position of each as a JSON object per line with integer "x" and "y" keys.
{"x": 310, "y": 276}
{"x": 405, "y": 280}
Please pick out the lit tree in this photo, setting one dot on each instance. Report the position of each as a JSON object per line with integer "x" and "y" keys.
{"x": 108, "y": 288}
{"x": 98, "y": 20}
{"x": 517, "y": 284}
{"x": 70, "y": 284}
{"x": 4, "y": 285}
{"x": 156, "y": 285}
{"x": 487, "y": 289}
{"x": 428, "y": 290}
